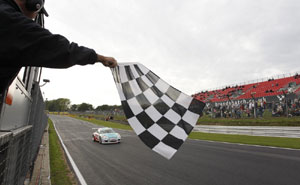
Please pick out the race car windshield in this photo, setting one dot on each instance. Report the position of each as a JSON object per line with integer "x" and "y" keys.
{"x": 107, "y": 131}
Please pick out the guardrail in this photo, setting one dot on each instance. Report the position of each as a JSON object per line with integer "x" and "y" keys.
{"x": 273, "y": 131}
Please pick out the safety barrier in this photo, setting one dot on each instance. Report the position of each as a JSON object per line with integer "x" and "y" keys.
{"x": 18, "y": 161}
{"x": 19, "y": 147}
{"x": 38, "y": 119}
{"x": 5, "y": 138}
{"x": 274, "y": 131}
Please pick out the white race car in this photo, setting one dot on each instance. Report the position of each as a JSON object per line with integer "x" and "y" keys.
{"x": 106, "y": 135}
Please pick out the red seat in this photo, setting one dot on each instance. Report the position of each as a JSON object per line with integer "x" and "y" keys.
{"x": 261, "y": 89}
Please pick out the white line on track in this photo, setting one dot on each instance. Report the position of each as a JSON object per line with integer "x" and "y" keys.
{"x": 74, "y": 166}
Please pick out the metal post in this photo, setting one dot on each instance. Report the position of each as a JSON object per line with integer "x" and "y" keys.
{"x": 286, "y": 103}
{"x": 252, "y": 95}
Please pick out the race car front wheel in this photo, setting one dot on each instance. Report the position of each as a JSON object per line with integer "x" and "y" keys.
{"x": 100, "y": 140}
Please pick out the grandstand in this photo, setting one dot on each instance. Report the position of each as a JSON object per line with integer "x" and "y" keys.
{"x": 271, "y": 89}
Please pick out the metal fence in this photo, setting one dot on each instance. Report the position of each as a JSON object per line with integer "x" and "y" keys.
{"x": 5, "y": 138}
{"x": 274, "y": 131}
{"x": 19, "y": 147}
{"x": 104, "y": 113}
{"x": 38, "y": 120}
{"x": 18, "y": 160}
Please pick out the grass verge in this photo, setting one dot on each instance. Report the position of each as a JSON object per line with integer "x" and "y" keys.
{"x": 252, "y": 140}
{"x": 267, "y": 120}
{"x": 60, "y": 173}
{"x": 243, "y": 139}
{"x": 105, "y": 123}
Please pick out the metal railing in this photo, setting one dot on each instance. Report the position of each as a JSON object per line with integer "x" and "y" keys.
{"x": 19, "y": 147}
{"x": 5, "y": 138}
{"x": 18, "y": 161}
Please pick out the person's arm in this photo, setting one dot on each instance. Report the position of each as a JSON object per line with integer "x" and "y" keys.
{"x": 27, "y": 44}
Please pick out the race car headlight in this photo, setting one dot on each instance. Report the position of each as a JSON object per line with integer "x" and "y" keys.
{"x": 118, "y": 136}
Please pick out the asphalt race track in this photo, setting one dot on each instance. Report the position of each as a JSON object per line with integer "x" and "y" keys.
{"x": 196, "y": 162}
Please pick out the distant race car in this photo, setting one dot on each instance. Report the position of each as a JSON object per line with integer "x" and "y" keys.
{"x": 106, "y": 135}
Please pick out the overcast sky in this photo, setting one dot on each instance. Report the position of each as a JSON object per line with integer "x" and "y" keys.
{"x": 193, "y": 45}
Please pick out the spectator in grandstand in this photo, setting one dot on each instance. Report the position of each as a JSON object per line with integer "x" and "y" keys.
{"x": 297, "y": 102}
{"x": 251, "y": 107}
{"x": 227, "y": 113}
{"x": 295, "y": 111}
{"x": 279, "y": 111}
{"x": 248, "y": 111}
{"x": 275, "y": 106}
{"x": 237, "y": 111}
{"x": 275, "y": 113}
{"x": 25, "y": 43}
{"x": 223, "y": 110}
{"x": 271, "y": 107}
{"x": 260, "y": 109}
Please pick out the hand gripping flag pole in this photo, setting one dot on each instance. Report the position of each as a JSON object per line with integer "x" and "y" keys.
{"x": 161, "y": 115}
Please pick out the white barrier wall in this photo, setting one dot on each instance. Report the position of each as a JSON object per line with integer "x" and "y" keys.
{"x": 273, "y": 131}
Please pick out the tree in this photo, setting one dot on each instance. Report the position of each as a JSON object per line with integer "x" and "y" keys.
{"x": 102, "y": 108}
{"x": 64, "y": 104}
{"x": 108, "y": 107}
{"x": 74, "y": 107}
{"x": 59, "y": 105}
{"x": 85, "y": 107}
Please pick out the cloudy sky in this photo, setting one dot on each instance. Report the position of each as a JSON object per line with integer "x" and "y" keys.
{"x": 193, "y": 45}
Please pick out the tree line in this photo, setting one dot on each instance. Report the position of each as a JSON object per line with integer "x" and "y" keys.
{"x": 64, "y": 104}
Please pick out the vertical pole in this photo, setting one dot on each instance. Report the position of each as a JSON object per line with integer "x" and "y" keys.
{"x": 255, "y": 115}
{"x": 252, "y": 95}
{"x": 286, "y": 105}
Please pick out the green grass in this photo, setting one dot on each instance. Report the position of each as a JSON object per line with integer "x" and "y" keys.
{"x": 101, "y": 117}
{"x": 105, "y": 123}
{"x": 252, "y": 140}
{"x": 60, "y": 173}
{"x": 244, "y": 139}
{"x": 265, "y": 121}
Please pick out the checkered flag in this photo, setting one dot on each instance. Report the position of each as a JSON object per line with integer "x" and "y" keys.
{"x": 160, "y": 115}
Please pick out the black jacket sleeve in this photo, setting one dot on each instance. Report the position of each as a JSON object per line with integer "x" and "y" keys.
{"x": 25, "y": 43}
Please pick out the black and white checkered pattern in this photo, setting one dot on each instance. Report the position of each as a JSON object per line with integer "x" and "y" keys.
{"x": 161, "y": 115}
